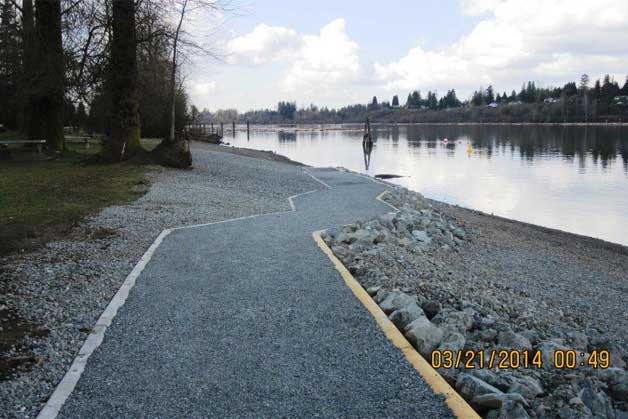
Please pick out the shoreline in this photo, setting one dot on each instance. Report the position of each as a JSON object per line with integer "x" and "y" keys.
{"x": 78, "y": 269}
{"x": 618, "y": 247}
{"x": 313, "y": 126}
{"x": 456, "y": 280}
{"x": 589, "y": 240}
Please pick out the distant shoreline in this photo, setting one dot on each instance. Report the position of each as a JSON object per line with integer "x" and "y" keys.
{"x": 311, "y": 125}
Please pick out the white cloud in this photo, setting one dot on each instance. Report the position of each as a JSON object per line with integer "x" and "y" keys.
{"x": 265, "y": 43}
{"x": 478, "y": 7}
{"x": 421, "y": 68}
{"x": 202, "y": 88}
{"x": 516, "y": 40}
{"x": 326, "y": 60}
{"x": 318, "y": 66}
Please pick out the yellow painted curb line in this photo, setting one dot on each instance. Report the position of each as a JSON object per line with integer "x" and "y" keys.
{"x": 437, "y": 383}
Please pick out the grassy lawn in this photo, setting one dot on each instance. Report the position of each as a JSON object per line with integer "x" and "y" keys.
{"x": 41, "y": 200}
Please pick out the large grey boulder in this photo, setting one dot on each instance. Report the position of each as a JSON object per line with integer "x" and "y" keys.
{"x": 612, "y": 376}
{"x": 459, "y": 233}
{"x": 596, "y": 400}
{"x": 432, "y": 308}
{"x": 548, "y": 348}
{"x": 386, "y": 220}
{"x": 454, "y": 320}
{"x": 496, "y": 400}
{"x": 406, "y": 315}
{"x": 512, "y": 409}
{"x": 619, "y": 390}
{"x": 381, "y": 295}
{"x": 453, "y": 341}
{"x": 470, "y": 387}
{"x": 512, "y": 340}
{"x": 529, "y": 387}
{"x": 501, "y": 379}
{"x": 422, "y": 236}
{"x": 617, "y": 381}
{"x": 424, "y": 335}
{"x": 361, "y": 236}
{"x": 396, "y": 300}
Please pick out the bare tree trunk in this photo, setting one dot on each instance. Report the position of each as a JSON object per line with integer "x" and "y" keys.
{"x": 31, "y": 123}
{"x": 173, "y": 78}
{"x": 125, "y": 124}
{"x": 52, "y": 80}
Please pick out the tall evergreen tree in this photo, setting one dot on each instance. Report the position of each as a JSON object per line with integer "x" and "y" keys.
{"x": 584, "y": 82}
{"x": 490, "y": 94}
{"x": 624, "y": 89}
{"x": 395, "y": 101}
{"x": 432, "y": 100}
{"x": 477, "y": 99}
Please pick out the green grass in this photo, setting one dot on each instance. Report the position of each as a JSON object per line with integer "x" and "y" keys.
{"x": 41, "y": 200}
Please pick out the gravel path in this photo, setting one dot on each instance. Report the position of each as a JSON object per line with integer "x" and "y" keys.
{"x": 249, "y": 319}
{"x": 195, "y": 335}
{"x": 62, "y": 288}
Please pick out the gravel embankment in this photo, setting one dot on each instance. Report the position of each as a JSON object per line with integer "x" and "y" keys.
{"x": 62, "y": 288}
{"x": 454, "y": 279}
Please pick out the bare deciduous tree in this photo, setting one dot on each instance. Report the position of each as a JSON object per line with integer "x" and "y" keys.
{"x": 51, "y": 84}
{"x": 125, "y": 123}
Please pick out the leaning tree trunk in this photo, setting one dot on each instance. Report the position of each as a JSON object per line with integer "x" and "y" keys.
{"x": 124, "y": 141}
{"x": 174, "y": 151}
{"x": 53, "y": 76}
{"x": 171, "y": 136}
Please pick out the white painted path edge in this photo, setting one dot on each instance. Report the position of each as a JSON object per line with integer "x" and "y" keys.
{"x": 65, "y": 388}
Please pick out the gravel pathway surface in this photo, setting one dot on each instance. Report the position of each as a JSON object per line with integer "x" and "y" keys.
{"x": 249, "y": 319}
{"x": 61, "y": 289}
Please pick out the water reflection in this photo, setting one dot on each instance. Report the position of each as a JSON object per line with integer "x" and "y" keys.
{"x": 573, "y": 178}
{"x": 367, "y": 149}
{"x": 286, "y": 137}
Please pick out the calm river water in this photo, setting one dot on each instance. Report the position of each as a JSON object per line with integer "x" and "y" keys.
{"x": 570, "y": 178}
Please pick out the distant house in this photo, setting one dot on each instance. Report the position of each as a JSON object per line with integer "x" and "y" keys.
{"x": 493, "y": 105}
{"x": 551, "y": 100}
{"x": 620, "y": 100}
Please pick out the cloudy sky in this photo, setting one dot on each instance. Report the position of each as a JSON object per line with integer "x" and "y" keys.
{"x": 337, "y": 52}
